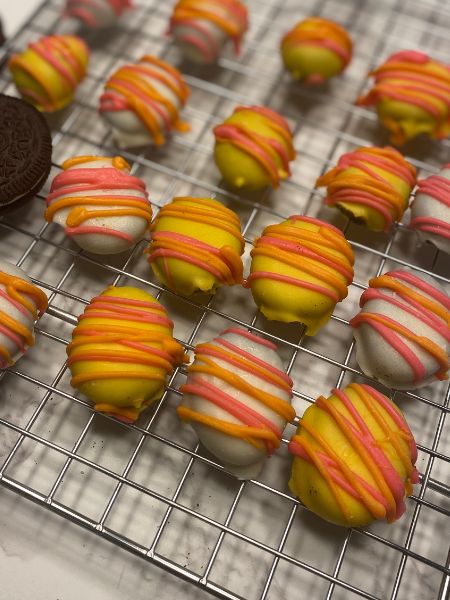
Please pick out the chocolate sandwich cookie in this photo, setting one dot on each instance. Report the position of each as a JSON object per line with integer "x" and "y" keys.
{"x": 25, "y": 151}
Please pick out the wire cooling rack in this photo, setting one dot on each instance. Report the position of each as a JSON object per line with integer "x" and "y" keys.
{"x": 149, "y": 488}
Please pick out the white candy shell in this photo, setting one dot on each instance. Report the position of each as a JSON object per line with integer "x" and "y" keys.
{"x": 202, "y": 44}
{"x": 25, "y": 318}
{"x": 128, "y": 129}
{"x": 237, "y": 456}
{"x": 427, "y": 206}
{"x": 135, "y": 227}
{"x": 97, "y": 14}
{"x": 378, "y": 359}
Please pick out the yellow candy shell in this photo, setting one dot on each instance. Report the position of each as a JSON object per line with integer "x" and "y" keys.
{"x": 311, "y": 488}
{"x": 121, "y": 392}
{"x": 306, "y": 61}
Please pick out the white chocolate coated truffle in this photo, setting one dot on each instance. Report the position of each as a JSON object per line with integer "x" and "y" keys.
{"x": 103, "y": 208}
{"x": 201, "y": 28}
{"x": 430, "y": 210}
{"x": 142, "y": 101}
{"x": 21, "y": 302}
{"x": 402, "y": 331}
{"x": 96, "y": 13}
{"x": 237, "y": 398}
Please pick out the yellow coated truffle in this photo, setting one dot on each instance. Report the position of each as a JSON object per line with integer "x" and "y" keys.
{"x": 315, "y": 50}
{"x": 122, "y": 352}
{"x": 48, "y": 72}
{"x": 412, "y": 96}
{"x": 354, "y": 457}
{"x": 196, "y": 245}
{"x": 370, "y": 185}
{"x": 253, "y": 148}
{"x": 300, "y": 269}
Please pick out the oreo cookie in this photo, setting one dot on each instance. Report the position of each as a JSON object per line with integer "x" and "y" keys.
{"x": 25, "y": 151}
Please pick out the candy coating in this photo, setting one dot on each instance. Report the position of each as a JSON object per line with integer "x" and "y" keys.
{"x": 402, "y": 332}
{"x": 48, "y": 72}
{"x": 354, "y": 458}
{"x": 237, "y": 398}
{"x": 122, "y": 352}
{"x": 430, "y": 210}
{"x": 370, "y": 185}
{"x": 21, "y": 304}
{"x": 98, "y": 13}
{"x": 300, "y": 269}
{"x": 411, "y": 94}
{"x": 100, "y": 205}
{"x": 196, "y": 245}
{"x": 142, "y": 102}
{"x": 253, "y": 148}
{"x": 315, "y": 50}
{"x": 203, "y": 27}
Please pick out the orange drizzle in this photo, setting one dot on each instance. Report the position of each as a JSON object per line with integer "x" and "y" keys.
{"x": 284, "y": 410}
{"x": 412, "y": 77}
{"x": 273, "y": 155}
{"x": 394, "y": 436}
{"x": 117, "y": 162}
{"x": 308, "y": 251}
{"x": 207, "y": 366}
{"x": 251, "y": 435}
{"x": 132, "y": 203}
{"x": 224, "y": 263}
{"x": 61, "y": 57}
{"x": 207, "y": 213}
{"x": 18, "y": 289}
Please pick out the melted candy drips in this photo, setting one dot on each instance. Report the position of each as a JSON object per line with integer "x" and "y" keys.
{"x": 383, "y": 499}
{"x": 323, "y": 34}
{"x": 438, "y": 187}
{"x": 413, "y": 78}
{"x": 65, "y": 54}
{"x": 86, "y": 10}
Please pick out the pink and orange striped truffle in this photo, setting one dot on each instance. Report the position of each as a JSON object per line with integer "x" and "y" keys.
{"x": 370, "y": 185}
{"x": 315, "y": 50}
{"x": 203, "y": 27}
{"x": 48, "y": 72}
{"x": 96, "y": 13}
{"x": 411, "y": 94}
{"x": 253, "y": 148}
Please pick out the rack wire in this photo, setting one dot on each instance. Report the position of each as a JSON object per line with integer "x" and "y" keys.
{"x": 149, "y": 487}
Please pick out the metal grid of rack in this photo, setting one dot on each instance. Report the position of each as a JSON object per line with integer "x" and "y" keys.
{"x": 149, "y": 487}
